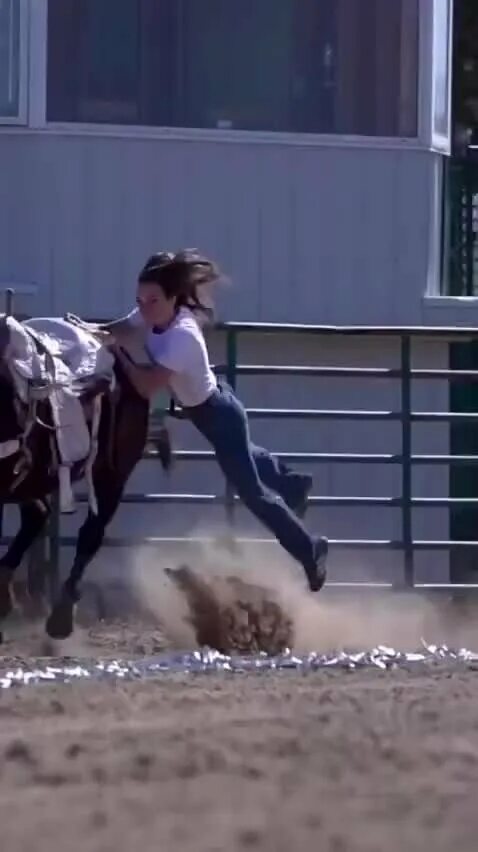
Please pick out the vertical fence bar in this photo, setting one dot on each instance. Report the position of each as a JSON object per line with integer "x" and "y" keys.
{"x": 231, "y": 356}
{"x": 231, "y": 376}
{"x": 406, "y": 422}
{"x": 8, "y": 313}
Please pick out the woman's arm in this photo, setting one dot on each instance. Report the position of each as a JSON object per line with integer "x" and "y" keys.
{"x": 146, "y": 380}
{"x": 125, "y": 328}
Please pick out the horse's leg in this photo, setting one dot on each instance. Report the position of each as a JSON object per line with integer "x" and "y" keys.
{"x": 121, "y": 440}
{"x": 90, "y": 538}
{"x": 33, "y": 516}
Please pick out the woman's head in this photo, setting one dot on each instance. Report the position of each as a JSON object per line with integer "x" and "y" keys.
{"x": 168, "y": 282}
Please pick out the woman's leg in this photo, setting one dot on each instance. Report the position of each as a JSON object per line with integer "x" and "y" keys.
{"x": 293, "y": 487}
{"x": 223, "y": 422}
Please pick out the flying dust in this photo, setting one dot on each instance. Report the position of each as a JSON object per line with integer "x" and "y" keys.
{"x": 240, "y": 602}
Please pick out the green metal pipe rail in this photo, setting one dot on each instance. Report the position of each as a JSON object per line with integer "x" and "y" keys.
{"x": 406, "y": 375}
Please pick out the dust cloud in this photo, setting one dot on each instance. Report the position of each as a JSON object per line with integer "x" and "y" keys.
{"x": 246, "y": 601}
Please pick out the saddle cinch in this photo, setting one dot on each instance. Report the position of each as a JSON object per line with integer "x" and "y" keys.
{"x": 63, "y": 362}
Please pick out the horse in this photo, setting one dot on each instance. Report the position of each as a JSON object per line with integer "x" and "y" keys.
{"x": 121, "y": 440}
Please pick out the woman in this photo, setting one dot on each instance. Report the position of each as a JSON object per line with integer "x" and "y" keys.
{"x": 171, "y": 304}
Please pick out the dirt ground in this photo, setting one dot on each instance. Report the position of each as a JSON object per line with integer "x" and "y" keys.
{"x": 364, "y": 761}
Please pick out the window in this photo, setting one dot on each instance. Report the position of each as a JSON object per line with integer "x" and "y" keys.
{"x": 307, "y": 66}
{"x": 441, "y": 57}
{"x": 12, "y": 61}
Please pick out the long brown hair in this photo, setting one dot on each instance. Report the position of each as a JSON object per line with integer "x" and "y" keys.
{"x": 181, "y": 277}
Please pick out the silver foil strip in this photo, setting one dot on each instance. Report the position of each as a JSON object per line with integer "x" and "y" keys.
{"x": 382, "y": 657}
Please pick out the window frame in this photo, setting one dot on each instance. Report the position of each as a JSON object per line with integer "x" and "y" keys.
{"x": 425, "y": 139}
{"x": 443, "y": 141}
{"x": 21, "y": 117}
{"x": 434, "y": 141}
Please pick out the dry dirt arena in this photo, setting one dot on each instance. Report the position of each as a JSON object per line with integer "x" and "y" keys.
{"x": 333, "y": 760}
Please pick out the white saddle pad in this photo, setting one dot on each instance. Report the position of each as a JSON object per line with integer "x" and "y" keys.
{"x": 80, "y": 351}
{"x": 75, "y": 355}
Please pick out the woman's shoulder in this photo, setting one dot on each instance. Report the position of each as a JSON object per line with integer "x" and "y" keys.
{"x": 188, "y": 322}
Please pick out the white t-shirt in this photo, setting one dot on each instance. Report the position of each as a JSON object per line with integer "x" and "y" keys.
{"x": 182, "y": 349}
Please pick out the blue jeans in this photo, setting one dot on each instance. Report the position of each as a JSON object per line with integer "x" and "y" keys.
{"x": 279, "y": 478}
{"x": 252, "y": 471}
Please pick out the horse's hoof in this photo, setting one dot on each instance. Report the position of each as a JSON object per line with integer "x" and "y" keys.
{"x": 7, "y": 598}
{"x": 60, "y": 622}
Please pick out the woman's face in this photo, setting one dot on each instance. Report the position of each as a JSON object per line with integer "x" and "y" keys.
{"x": 154, "y": 307}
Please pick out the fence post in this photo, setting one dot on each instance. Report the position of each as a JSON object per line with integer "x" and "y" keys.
{"x": 231, "y": 376}
{"x": 406, "y": 422}
{"x": 8, "y": 312}
{"x": 231, "y": 355}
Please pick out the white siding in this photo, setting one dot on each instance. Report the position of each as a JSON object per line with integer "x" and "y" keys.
{"x": 317, "y": 235}
{"x": 307, "y": 234}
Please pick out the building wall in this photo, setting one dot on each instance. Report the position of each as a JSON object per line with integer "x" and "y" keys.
{"x": 306, "y": 233}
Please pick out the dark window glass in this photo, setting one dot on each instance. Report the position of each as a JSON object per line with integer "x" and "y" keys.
{"x": 310, "y": 66}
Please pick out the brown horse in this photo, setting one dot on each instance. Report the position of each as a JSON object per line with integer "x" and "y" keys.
{"x": 122, "y": 436}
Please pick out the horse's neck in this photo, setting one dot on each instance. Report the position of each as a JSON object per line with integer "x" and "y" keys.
{"x": 128, "y": 400}
{"x": 126, "y": 391}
